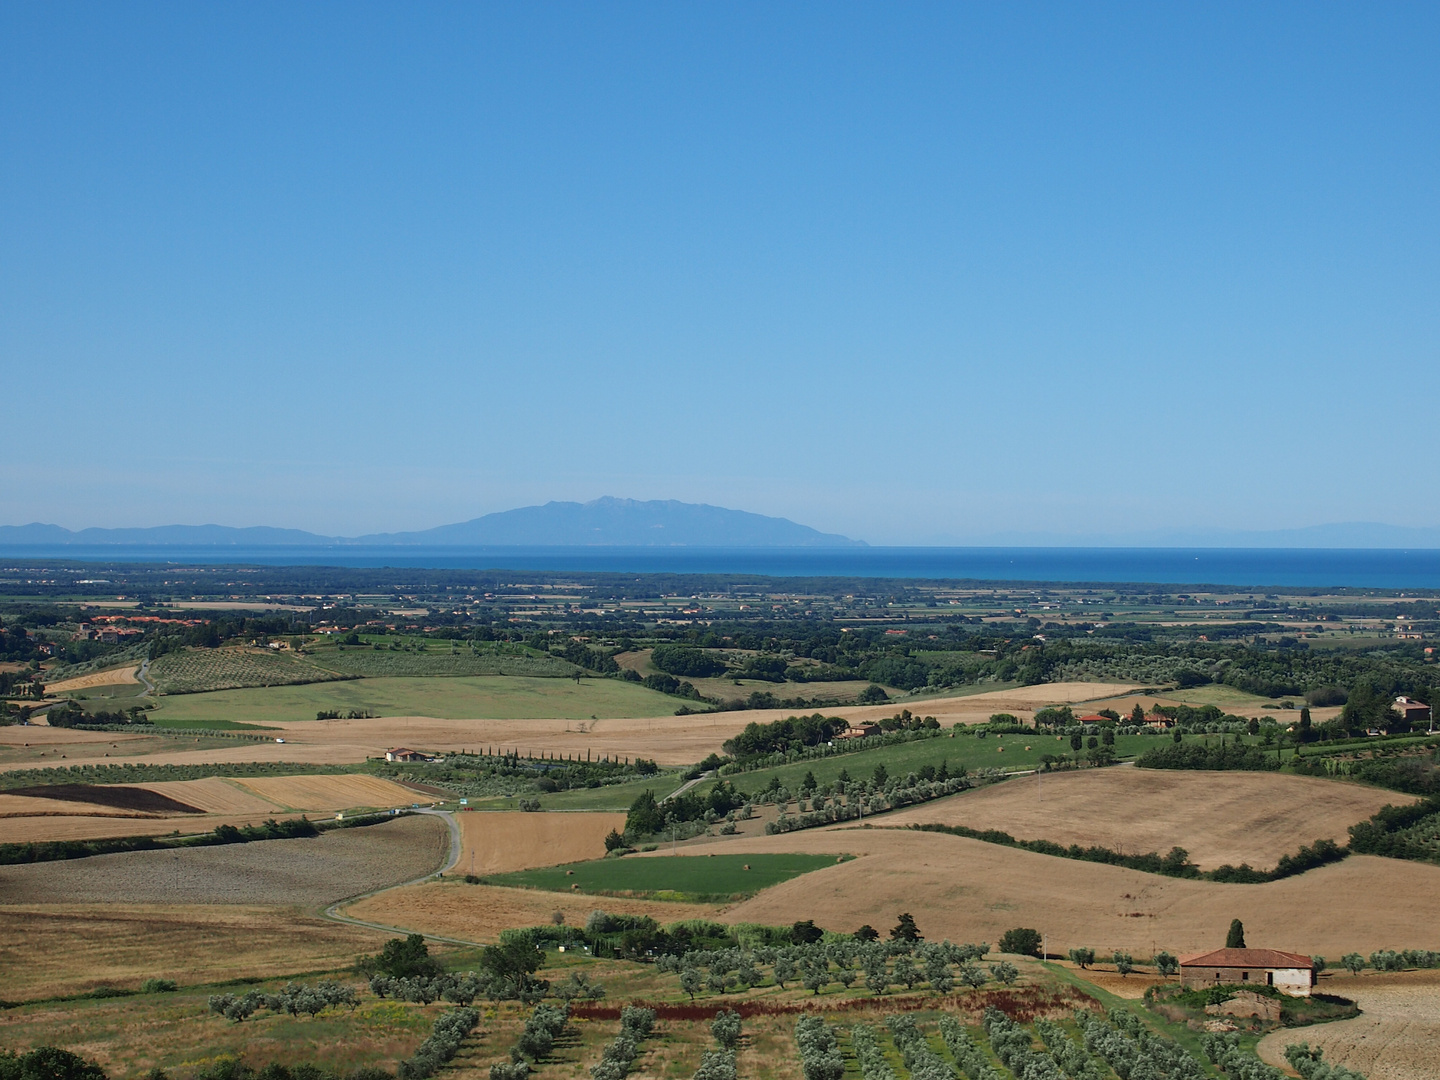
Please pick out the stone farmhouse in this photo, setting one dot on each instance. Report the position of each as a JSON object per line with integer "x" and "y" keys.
{"x": 1290, "y": 973}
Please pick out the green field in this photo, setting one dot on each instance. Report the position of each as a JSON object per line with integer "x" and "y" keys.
{"x": 1224, "y": 697}
{"x": 443, "y": 697}
{"x": 667, "y": 877}
{"x": 370, "y": 663}
{"x": 991, "y": 752}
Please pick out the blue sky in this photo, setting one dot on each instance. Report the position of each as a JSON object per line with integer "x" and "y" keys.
{"x": 915, "y": 273}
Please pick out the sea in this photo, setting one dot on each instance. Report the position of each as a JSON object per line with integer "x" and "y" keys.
{"x": 1380, "y": 568}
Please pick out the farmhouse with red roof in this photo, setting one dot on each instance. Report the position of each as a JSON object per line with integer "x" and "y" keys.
{"x": 1290, "y": 973}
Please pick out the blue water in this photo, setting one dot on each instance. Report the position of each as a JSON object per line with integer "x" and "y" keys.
{"x": 1314, "y": 567}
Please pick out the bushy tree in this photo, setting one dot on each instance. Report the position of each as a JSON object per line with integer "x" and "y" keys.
{"x": 402, "y": 959}
{"x": 1082, "y": 958}
{"x": 1235, "y": 939}
{"x": 1022, "y": 941}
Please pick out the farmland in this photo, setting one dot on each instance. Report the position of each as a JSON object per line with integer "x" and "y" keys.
{"x": 499, "y": 842}
{"x": 194, "y": 671}
{"x": 188, "y": 806}
{"x": 308, "y": 872}
{"x": 1007, "y": 752}
{"x": 1218, "y": 818}
{"x": 479, "y": 913}
{"x": 371, "y": 664}
{"x": 718, "y": 876}
{"x": 60, "y": 948}
{"x": 114, "y": 677}
{"x": 1397, "y": 1035}
{"x": 441, "y": 697}
{"x": 969, "y": 890}
{"x": 484, "y": 671}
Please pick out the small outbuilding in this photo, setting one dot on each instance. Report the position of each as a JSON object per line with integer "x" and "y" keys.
{"x": 1290, "y": 973}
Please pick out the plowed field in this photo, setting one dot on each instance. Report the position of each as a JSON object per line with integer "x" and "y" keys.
{"x": 308, "y": 872}
{"x": 112, "y": 796}
{"x": 1219, "y": 817}
{"x": 1396, "y": 1036}
{"x": 496, "y": 843}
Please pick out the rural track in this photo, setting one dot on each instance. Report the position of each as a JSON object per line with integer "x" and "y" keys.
{"x": 332, "y": 911}
{"x": 143, "y": 674}
{"x": 687, "y": 786}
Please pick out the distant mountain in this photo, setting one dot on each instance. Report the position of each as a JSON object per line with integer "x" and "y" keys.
{"x": 614, "y": 522}
{"x": 606, "y": 522}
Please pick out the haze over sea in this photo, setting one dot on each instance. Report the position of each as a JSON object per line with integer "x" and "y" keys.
{"x": 1282, "y": 567}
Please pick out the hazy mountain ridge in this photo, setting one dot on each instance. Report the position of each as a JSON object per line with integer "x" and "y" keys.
{"x": 605, "y": 522}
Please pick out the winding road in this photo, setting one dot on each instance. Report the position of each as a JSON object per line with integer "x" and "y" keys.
{"x": 456, "y": 846}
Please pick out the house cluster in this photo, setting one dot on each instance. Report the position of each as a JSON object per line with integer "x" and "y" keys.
{"x": 110, "y": 635}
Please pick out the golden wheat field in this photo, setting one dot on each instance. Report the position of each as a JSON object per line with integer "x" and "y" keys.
{"x": 1218, "y": 817}
{"x": 115, "y": 676}
{"x": 498, "y": 842}
{"x": 967, "y": 890}
{"x": 327, "y": 792}
{"x": 479, "y": 912}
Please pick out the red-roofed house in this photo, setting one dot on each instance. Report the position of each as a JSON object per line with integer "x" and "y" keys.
{"x": 859, "y": 729}
{"x": 1290, "y": 973}
{"x": 402, "y": 753}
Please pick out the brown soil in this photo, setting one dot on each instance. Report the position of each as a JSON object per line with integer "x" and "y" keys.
{"x": 310, "y": 872}
{"x": 119, "y": 796}
{"x": 479, "y": 912}
{"x": 499, "y": 842}
{"x": 67, "y": 948}
{"x": 1395, "y": 1037}
{"x": 1218, "y": 817}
